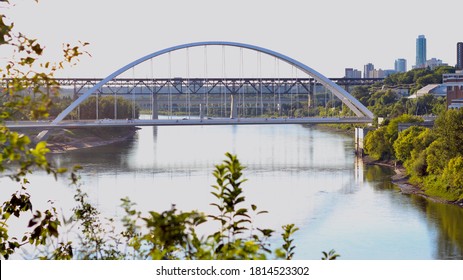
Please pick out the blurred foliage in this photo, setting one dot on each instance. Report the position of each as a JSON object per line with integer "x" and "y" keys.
{"x": 331, "y": 255}
{"x": 26, "y": 92}
{"x": 172, "y": 234}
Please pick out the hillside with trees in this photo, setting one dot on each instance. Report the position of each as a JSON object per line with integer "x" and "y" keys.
{"x": 418, "y": 78}
{"x": 384, "y": 101}
{"x": 433, "y": 158}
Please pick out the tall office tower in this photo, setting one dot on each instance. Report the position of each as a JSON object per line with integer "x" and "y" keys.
{"x": 420, "y": 52}
{"x": 400, "y": 65}
{"x": 367, "y": 69}
{"x": 348, "y": 72}
{"x": 459, "y": 65}
{"x": 352, "y": 73}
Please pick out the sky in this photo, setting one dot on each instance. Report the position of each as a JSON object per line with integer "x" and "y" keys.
{"x": 326, "y": 35}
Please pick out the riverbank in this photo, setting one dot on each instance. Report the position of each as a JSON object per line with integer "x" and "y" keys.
{"x": 66, "y": 140}
{"x": 400, "y": 179}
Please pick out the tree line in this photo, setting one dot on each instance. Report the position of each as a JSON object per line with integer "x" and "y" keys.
{"x": 433, "y": 158}
{"x": 109, "y": 107}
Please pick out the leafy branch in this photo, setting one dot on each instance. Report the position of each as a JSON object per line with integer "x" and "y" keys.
{"x": 26, "y": 90}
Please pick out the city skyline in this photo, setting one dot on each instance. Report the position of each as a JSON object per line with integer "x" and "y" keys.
{"x": 313, "y": 33}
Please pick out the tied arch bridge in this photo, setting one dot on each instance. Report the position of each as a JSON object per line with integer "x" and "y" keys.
{"x": 234, "y": 95}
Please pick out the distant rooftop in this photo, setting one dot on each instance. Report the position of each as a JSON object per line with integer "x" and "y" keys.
{"x": 434, "y": 89}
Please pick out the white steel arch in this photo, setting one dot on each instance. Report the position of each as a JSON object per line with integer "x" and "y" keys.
{"x": 358, "y": 108}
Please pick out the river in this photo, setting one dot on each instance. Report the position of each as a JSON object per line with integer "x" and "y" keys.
{"x": 302, "y": 175}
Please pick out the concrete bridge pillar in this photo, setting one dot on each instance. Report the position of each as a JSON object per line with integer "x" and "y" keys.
{"x": 309, "y": 101}
{"x": 310, "y": 97}
{"x": 201, "y": 113}
{"x": 234, "y": 106}
{"x": 154, "y": 106}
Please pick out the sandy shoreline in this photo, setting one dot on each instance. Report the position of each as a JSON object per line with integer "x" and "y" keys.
{"x": 400, "y": 179}
{"x": 86, "y": 142}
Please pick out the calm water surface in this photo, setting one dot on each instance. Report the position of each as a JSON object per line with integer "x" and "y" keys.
{"x": 301, "y": 175}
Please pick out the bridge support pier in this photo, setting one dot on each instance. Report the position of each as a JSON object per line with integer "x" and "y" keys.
{"x": 311, "y": 95}
{"x": 309, "y": 101}
{"x": 154, "y": 107}
{"x": 233, "y": 106}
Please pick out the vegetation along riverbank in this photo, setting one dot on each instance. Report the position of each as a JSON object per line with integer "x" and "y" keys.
{"x": 431, "y": 158}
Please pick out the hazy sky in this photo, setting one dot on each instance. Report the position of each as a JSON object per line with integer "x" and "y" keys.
{"x": 327, "y": 35}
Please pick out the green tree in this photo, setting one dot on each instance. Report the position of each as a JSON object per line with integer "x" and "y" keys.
{"x": 125, "y": 109}
{"x": 362, "y": 93}
{"x": 426, "y": 105}
{"x": 418, "y": 78}
{"x": 399, "y": 108}
{"x": 385, "y": 102}
{"x": 172, "y": 234}
{"x": 449, "y": 140}
{"x": 453, "y": 176}
{"x": 30, "y": 86}
{"x": 376, "y": 145}
{"x": 449, "y": 128}
{"x": 432, "y": 158}
{"x": 379, "y": 143}
{"x": 416, "y": 163}
{"x": 392, "y": 128}
{"x": 437, "y": 156}
{"x": 406, "y": 142}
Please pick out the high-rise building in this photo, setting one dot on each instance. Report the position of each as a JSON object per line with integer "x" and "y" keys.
{"x": 367, "y": 69}
{"x": 380, "y": 73}
{"x": 434, "y": 62}
{"x": 400, "y": 65}
{"x": 352, "y": 73}
{"x": 459, "y": 65}
{"x": 420, "y": 52}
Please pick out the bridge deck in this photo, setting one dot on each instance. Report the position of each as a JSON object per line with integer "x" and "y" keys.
{"x": 183, "y": 122}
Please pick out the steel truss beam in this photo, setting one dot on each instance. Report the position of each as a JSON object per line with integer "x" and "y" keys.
{"x": 196, "y": 85}
{"x": 358, "y": 108}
